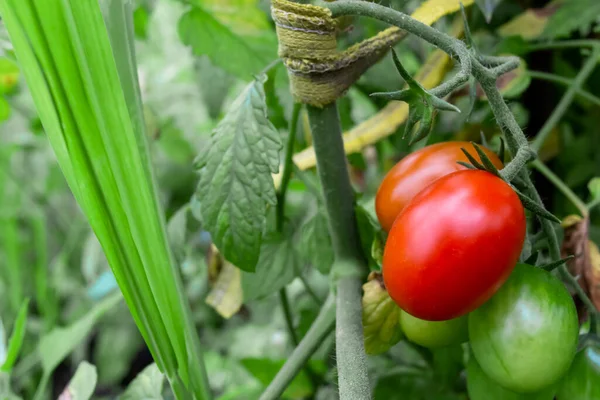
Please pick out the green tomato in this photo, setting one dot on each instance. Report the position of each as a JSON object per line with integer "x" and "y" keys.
{"x": 434, "y": 334}
{"x": 582, "y": 382}
{"x": 482, "y": 387}
{"x": 525, "y": 336}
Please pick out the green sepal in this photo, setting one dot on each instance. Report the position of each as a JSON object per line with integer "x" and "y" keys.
{"x": 553, "y": 265}
{"x": 534, "y": 207}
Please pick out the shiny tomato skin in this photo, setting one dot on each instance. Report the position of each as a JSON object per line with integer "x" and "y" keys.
{"x": 526, "y": 335}
{"x": 582, "y": 382}
{"x": 454, "y": 245}
{"x": 416, "y": 171}
{"x": 434, "y": 334}
{"x": 482, "y": 387}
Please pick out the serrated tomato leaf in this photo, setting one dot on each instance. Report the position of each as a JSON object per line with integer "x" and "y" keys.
{"x": 235, "y": 185}
{"x": 277, "y": 266}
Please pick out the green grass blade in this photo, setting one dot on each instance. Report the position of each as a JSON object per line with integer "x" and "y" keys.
{"x": 85, "y": 89}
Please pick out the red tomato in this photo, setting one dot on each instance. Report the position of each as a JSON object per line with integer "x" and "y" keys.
{"x": 454, "y": 245}
{"x": 417, "y": 170}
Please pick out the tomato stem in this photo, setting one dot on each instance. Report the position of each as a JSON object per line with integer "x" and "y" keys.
{"x": 349, "y": 267}
{"x": 316, "y": 335}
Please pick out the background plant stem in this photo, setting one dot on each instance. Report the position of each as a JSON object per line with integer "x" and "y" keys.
{"x": 560, "y": 185}
{"x": 288, "y": 167}
{"x": 315, "y": 336}
{"x": 544, "y": 76}
{"x": 565, "y": 101}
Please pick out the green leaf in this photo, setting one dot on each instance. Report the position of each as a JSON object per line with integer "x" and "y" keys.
{"x": 56, "y": 345}
{"x": 83, "y": 383}
{"x": 277, "y": 266}
{"x": 236, "y": 185}
{"x": 16, "y": 338}
{"x": 572, "y": 15}
{"x": 147, "y": 385}
{"x": 6, "y": 392}
{"x": 141, "y": 15}
{"x": 265, "y": 369}
{"x": 315, "y": 242}
{"x": 487, "y": 7}
{"x": 214, "y": 84}
{"x": 4, "y": 109}
{"x": 381, "y": 318}
{"x": 369, "y": 230}
{"x": 238, "y": 51}
{"x": 594, "y": 187}
{"x": 9, "y": 75}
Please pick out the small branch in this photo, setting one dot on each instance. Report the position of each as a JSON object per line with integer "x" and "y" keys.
{"x": 285, "y": 305}
{"x": 320, "y": 329}
{"x": 584, "y": 94}
{"x": 566, "y": 100}
{"x": 309, "y": 289}
{"x": 564, "y": 44}
{"x": 287, "y": 166}
{"x": 560, "y": 185}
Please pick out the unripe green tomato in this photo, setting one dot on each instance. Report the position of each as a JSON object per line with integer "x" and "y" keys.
{"x": 434, "y": 334}
{"x": 582, "y": 382}
{"x": 482, "y": 387}
{"x": 525, "y": 336}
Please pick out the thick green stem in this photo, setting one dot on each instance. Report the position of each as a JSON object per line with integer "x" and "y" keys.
{"x": 566, "y": 100}
{"x": 349, "y": 266}
{"x": 335, "y": 180}
{"x": 315, "y": 336}
{"x": 353, "y": 378}
{"x": 584, "y": 94}
{"x": 560, "y": 185}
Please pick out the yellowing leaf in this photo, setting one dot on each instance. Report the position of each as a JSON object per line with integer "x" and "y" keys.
{"x": 226, "y": 295}
{"x": 432, "y": 10}
{"x": 381, "y": 317}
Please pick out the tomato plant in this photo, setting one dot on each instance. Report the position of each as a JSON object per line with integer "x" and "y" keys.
{"x": 525, "y": 336}
{"x": 417, "y": 170}
{"x": 454, "y": 245}
{"x": 434, "y": 334}
{"x": 155, "y": 185}
{"x": 582, "y": 381}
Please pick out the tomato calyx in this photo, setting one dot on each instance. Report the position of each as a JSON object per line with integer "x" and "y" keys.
{"x": 487, "y": 165}
{"x": 422, "y": 104}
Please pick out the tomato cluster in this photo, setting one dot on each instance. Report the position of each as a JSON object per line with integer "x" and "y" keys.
{"x": 451, "y": 264}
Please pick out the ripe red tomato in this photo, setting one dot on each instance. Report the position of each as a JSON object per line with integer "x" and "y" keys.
{"x": 582, "y": 382}
{"x": 433, "y": 334}
{"x": 526, "y": 335}
{"x": 417, "y": 170}
{"x": 454, "y": 245}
